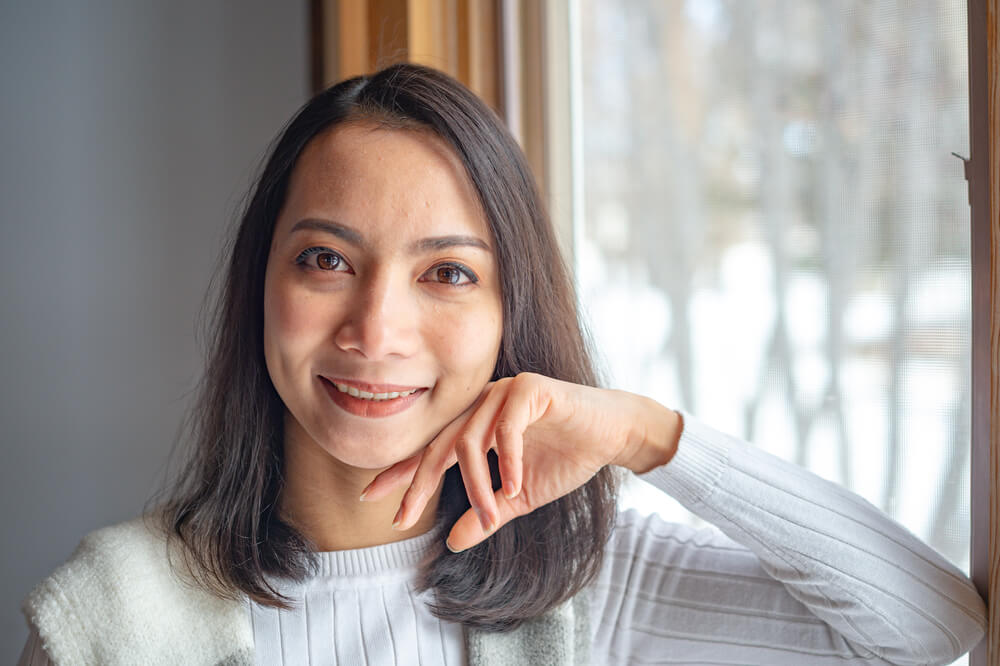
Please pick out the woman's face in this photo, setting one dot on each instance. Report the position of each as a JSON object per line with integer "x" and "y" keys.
{"x": 381, "y": 280}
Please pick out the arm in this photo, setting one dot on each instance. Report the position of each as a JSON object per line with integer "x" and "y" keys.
{"x": 879, "y": 587}
{"x": 867, "y": 579}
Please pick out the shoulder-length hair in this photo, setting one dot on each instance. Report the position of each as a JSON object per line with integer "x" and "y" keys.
{"x": 222, "y": 507}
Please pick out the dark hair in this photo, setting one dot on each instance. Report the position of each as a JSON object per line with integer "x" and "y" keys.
{"x": 223, "y": 506}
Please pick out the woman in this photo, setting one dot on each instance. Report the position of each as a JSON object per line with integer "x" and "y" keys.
{"x": 401, "y": 455}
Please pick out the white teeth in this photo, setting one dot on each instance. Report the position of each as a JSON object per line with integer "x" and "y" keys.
{"x": 365, "y": 395}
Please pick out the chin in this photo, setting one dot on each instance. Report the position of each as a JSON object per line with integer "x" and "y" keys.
{"x": 368, "y": 453}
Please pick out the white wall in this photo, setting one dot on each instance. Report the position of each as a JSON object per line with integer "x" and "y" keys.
{"x": 129, "y": 132}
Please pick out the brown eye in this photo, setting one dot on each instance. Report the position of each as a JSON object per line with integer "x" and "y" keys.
{"x": 448, "y": 274}
{"x": 322, "y": 259}
{"x": 327, "y": 261}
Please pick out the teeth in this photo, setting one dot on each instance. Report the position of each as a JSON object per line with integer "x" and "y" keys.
{"x": 365, "y": 395}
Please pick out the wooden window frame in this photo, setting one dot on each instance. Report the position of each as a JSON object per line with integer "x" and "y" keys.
{"x": 983, "y": 173}
{"x": 460, "y": 37}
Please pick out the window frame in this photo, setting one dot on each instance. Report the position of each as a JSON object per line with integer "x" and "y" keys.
{"x": 983, "y": 174}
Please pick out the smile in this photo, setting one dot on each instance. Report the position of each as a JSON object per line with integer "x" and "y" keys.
{"x": 365, "y": 395}
{"x": 379, "y": 401}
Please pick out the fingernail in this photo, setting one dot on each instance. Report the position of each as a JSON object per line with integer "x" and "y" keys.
{"x": 448, "y": 546}
{"x": 396, "y": 521}
{"x": 508, "y": 489}
{"x": 364, "y": 494}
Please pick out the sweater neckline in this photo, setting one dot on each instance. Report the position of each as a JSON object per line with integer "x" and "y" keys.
{"x": 376, "y": 560}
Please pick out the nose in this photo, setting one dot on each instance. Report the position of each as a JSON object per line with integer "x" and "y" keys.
{"x": 380, "y": 320}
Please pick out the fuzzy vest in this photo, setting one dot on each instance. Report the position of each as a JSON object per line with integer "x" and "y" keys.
{"x": 118, "y": 601}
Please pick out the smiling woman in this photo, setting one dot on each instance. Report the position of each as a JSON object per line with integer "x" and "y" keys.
{"x": 401, "y": 455}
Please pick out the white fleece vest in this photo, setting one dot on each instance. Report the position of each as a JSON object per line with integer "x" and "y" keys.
{"x": 117, "y": 600}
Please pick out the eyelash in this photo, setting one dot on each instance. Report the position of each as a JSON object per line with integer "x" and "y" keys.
{"x": 461, "y": 268}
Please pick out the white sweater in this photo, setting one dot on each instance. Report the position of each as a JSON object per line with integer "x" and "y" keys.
{"x": 808, "y": 574}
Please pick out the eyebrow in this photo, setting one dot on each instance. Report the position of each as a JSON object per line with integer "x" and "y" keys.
{"x": 432, "y": 244}
{"x": 338, "y": 230}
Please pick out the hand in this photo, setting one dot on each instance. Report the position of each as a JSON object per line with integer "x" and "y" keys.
{"x": 551, "y": 437}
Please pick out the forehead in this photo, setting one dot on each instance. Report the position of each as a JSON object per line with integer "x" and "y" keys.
{"x": 369, "y": 176}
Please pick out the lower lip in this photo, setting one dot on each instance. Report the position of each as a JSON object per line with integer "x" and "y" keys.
{"x": 369, "y": 408}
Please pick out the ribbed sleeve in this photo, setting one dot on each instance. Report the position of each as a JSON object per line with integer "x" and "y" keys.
{"x": 807, "y": 569}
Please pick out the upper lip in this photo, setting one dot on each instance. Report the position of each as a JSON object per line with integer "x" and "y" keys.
{"x": 369, "y": 387}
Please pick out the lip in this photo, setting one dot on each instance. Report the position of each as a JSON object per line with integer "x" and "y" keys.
{"x": 371, "y": 408}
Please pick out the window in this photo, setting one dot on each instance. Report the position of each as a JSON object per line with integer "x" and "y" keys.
{"x": 775, "y": 233}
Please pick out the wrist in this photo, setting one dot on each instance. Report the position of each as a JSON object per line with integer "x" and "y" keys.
{"x": 653, "y": 439}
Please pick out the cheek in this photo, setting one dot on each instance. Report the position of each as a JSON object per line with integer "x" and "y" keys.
{"x": 289, "y": 325}
{"x": 470, "y": 343}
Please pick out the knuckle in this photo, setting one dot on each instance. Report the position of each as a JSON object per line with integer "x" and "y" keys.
{"x": 527, "y": 384}
{"x": 505, "y": 429}
{"x": 497, "y": 385}
{"x": 464, "y": 444}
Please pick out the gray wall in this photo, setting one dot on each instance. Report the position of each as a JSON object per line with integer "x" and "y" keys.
{"x": 129, "y": 134}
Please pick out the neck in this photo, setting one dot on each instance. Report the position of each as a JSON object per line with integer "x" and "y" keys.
{"x": 321, "y": 499}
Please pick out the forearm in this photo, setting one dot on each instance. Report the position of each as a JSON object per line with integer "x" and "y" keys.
{"x": 863, "y": 574}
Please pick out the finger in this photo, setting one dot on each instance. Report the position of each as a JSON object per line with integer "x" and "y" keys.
{"x": 437, "y": 457}
{"x": 472, "y": 461}
{"x": 400, "y": 473}
{"x": 425, "y": 480}
{"x": 467, "y": 530}
{"x": 513, "y": 419}
{"x": 474, "y": 441}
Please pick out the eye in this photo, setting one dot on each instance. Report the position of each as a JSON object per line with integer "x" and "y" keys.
{"x": 326, "y": 260}
{"x": 450, "y": 274}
